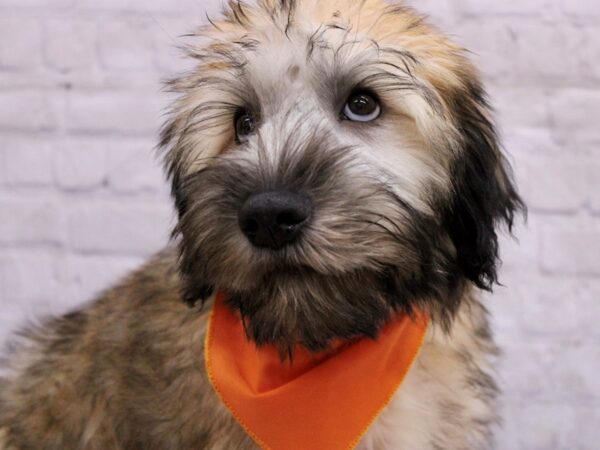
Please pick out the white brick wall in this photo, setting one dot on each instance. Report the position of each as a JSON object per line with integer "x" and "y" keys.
{"x": 82, "y": 198}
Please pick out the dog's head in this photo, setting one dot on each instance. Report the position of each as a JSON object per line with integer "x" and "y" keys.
{"x": 333, "y": 163}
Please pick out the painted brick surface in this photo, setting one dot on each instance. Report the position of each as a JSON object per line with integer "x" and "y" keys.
{"x": 83, "y": 199}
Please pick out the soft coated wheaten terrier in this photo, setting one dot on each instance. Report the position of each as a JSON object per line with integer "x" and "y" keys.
{"x": 333, "y": 165}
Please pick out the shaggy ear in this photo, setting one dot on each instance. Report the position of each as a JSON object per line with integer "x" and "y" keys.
{"x": 193, "y": 288}
{"x": 484, "y": 195}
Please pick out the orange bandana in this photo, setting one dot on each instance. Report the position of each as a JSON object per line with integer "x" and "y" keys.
{"x": 320, "y": 402}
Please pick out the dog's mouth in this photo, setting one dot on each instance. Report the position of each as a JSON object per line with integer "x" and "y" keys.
{"x": 291, "y": 302}
{"x": 298, "y": 306}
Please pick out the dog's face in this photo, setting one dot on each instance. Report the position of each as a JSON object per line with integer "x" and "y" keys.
{"x": 333, "y": 163}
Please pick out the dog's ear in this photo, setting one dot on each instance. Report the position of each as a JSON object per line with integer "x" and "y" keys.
{"x": 194, "y": 290}
{"x": 484, "y": 196}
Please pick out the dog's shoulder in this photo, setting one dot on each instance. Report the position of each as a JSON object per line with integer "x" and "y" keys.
{"x": 126, "y": 371}
{"x": 448, "y": 399}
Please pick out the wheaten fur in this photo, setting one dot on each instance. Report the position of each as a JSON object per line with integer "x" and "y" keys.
{"x": 406, "y": 214}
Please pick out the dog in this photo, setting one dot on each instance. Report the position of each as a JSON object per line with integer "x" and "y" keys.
{"x": 333, "y": 165}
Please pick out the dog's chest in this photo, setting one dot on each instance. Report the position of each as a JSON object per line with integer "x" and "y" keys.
{"x": 446, "y": 401}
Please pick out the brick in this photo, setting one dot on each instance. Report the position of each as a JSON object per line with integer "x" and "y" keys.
{"x": 81, "y": 163}
{"x": 124, "y": 166}
{"x": 70, "y": 44}
{"x": 167, "y": 39}
{"x": 486, "y": 41}
{"x": 531, "y": 142}
{"x": 118, "y": 227}
{"x": 576, "y": 109}
{"x": 127, "y": 112}
{"x": 537, "y": 178}
{"x": 549, "y": 425}
{"x": 580, "y": 8}
{"x": 183, "y": 7}
{"x": 571, "y": 249}
{"x": 520, "y": 106}
{"x": 588, "y": 53}
{"x": 546, "y": 308}
{"x": 507, "y": 7}
{"x": 147, "y": 82}
{"x": 84, "y": 277}
{"x": 543, "y": 50}
{"x": 594, "y": 185}
{"x": 520, "y": 251}
{"x": 37, "y": 3}
{"x": 442, "y": 13}
{"x": 30, "y": 221}
{"x": 26, "y": 162}
{"x": 522, "y": 49}
{"x": 26, "y": 276}
{"x": 27, "y": 111}
{"x": 19, "y": 80}
{"x": 127, "y": 45}
{"x": 548, "y": 369}
{"x": 20, "y": 43}
{"x": 133, "y": 167}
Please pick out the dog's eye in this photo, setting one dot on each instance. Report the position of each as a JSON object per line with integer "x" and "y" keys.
{"x": 245, "y": 124}
{"x": 362, "y": 107}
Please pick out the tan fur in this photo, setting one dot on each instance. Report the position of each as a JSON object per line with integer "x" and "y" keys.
{"x": 126, "y": 373}
{"x": 447, "y": 400}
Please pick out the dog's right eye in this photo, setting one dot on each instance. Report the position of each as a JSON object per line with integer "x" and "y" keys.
{"x": 245, "y": 124}
{"x": 362, "y": 107}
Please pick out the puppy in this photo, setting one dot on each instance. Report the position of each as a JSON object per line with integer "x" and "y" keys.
{"x": 334, "y": 166}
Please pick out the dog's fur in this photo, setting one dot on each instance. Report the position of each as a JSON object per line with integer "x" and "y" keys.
{"x": 406, "y": 212}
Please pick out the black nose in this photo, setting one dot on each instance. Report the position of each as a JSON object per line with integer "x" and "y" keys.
{"x": 274, "y": 219}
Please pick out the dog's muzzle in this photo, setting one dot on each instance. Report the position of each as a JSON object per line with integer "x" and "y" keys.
{"x": 274, "y": 219}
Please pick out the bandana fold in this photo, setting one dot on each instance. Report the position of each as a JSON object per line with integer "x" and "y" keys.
{"x": 326, "y": 401}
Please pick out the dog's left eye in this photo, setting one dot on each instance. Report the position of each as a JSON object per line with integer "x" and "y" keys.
{"x": 362, "y": 107}
{"x": 245, "y": 124}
